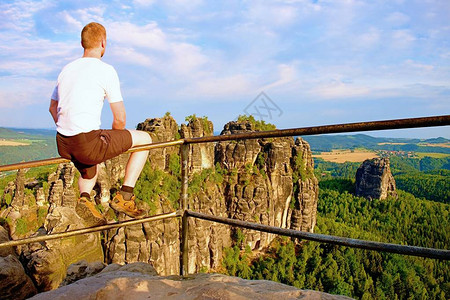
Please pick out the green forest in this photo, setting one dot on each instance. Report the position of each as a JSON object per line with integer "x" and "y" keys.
{"x": 412, "y": 219}
{"x": 358, "y": 273}
{"x": 41, "y": 145}
{"x": 353, "y": 141}
{"x": 425, "y": 178}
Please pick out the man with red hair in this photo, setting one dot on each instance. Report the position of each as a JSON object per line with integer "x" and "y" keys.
{"x": 76, "y": 106}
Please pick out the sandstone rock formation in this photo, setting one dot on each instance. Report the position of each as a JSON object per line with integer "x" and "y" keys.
{"x": 156, "y": 242}
{"x": 82, "y": 269}
{"x": 374, "y": 179}
{"x": 161, "y": 130}
{"x": 14, "y": 282}
{"x": 269, "y": 181}
{"x": 137, "y": 283}
{"x": 47, "y": 262}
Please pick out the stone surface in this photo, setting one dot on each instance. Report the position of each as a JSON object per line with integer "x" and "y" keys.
{"x": 4, "y": 237}
{"x": 82, "y": 269}
{"x": 260, "y": 186}
{"x": 47, "y": 262}
{"x": 19, "y": 193}
{"x": 201, "y": 156}
{"x": 121, "y": 284}
{"x": 161, "y": 130}
{"x": 61, "y": 191}
{"x": 257, "y": 187}
{"x": 14, "y": 282}
{"x": 374, "y": 179}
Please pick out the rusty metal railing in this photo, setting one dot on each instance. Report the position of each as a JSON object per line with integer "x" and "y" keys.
{"x": 185, "y": 213}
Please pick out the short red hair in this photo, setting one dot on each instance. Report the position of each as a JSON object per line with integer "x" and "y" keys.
{"x": 92, "y": 35}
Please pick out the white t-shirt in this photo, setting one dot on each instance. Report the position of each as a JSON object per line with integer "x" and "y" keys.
{"x": 80, "y": 91}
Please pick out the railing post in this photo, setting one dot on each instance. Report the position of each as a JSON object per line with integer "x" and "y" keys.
{"x": 184, "y": 155}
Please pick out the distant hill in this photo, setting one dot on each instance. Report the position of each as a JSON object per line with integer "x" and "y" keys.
{"x": 26, "y": 133}
{"x": 34, "y": 144}
{"x": 330, "y": 142}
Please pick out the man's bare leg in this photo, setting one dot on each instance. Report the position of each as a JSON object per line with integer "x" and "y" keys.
{"x": 137, "y": 159}
{"x": 85, "y": 208}
{"x": 121, "y": 201}
{"x": 86, "y": 185}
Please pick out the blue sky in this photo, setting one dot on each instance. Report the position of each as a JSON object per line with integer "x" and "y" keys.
{"x": 320, "y": 62}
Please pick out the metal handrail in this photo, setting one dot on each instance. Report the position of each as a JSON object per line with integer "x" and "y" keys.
{"x": 324, "y": 129}
{"x": 330, "y": 239}
{"x": 59, "y": 235}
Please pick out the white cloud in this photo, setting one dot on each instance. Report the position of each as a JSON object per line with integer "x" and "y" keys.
{"x": 287, "y": 73}
{"x": 132, "y": 35}
{"x": 129, "y": 55}
{"x": 22, "y": 55}
{"x": 21, "y": 91}
{"x": 17, "y": 16}
{"x": 269, "y": 15}
{"x": 397, "y": 18}
{"x": 339, "y": 89}
{"x": 70, "y": 21}
{"x": 219, "y": 87}
{"x": 402, "y": 38}
{"x": 144, "y": 2}
{"x": 368, "y": 39}
{"x": 419, "y": 66}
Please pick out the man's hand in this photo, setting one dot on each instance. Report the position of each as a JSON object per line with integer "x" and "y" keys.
{"x": 120, "y": 118}
{"x": 54, "y": 110}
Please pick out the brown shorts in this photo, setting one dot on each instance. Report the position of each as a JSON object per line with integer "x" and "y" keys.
{"x": 86, "y": 150}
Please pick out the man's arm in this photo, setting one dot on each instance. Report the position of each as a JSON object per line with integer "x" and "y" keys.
{"x": 120, "y": 118}
{"x": 54, "y": 110}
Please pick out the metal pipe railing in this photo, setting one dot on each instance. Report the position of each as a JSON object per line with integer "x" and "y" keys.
{"x": 58, "y": 160}
{"x": 325, "y": 129}
{"x": 354, "y": 243}
{"x": 184, "y": 156}
{"x": 65, "y": 234}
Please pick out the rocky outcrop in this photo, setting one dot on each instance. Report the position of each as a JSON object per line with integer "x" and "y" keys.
{"x": 201, "y": 156}
{"x": 268, "y": 181}
{"x": 139, "y": 282}
{"x": 374, "y": 180}
{"x": 156, "y": 242}
{"x": 14, "y": 282}
{"x": 82, "y": 269}
{"x": 306, "y": 192}
{"x": 108, "y": 181}
{"x": 47, "y": 262}
{"x": 161, "y": 130}
{"x": 206, "y": 240}
{"x": 19, "y": 193}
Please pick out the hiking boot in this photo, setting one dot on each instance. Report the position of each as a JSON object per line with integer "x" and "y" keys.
{"x": 86, "y": 210}
{"x": 127, "y": 207}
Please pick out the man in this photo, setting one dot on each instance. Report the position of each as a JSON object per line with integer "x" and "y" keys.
{"x": 76, "y": 106}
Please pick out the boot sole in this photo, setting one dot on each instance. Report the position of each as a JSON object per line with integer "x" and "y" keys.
{"x": 128, "y": 213}
{"x": 88, "y": 217}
